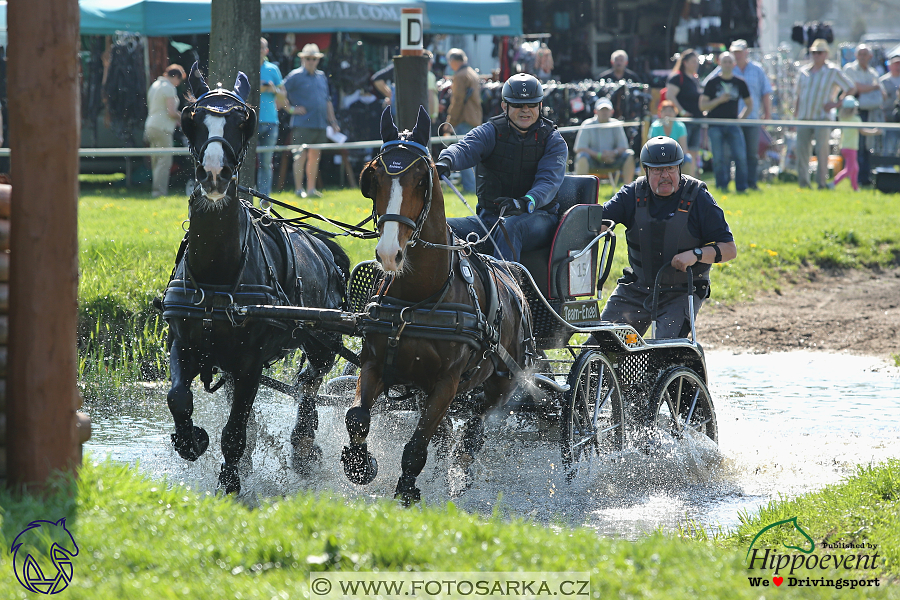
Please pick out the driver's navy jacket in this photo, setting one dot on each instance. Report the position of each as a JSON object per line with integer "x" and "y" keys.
{"x": 705, "y": 224}
{"x": 479, "y": 145}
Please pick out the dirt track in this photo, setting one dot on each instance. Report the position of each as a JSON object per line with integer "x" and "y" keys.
{"x": 855, "y": 311}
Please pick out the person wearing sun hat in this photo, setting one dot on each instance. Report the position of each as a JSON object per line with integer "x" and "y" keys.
{"x": 814, "y": 92}
{"x": 311, "y": 110}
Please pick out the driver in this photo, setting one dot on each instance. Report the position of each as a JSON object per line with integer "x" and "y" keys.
{"x": 521, "y": 161}
{"x": 669, "y": 218}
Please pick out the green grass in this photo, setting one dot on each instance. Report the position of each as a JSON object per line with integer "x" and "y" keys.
{"x": 140, "y": 538}
{"x": 128, "y": 243}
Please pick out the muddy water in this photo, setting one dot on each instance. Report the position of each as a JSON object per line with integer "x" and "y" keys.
{"x": 789, "y": 423}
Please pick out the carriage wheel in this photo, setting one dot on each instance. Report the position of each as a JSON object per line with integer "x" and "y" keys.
{"x": 681, "y": 400}
{"x": 593, "y": 421}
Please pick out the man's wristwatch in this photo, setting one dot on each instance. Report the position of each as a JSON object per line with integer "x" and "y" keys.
{"x": 698, "y": 252}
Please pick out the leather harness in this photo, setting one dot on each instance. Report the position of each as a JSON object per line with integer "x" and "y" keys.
{"x": 433, "y": 318}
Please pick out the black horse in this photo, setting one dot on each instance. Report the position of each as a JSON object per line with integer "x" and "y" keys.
{"x": 234, "y": 255}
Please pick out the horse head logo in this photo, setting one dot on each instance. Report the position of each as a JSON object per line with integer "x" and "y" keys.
{"x": 792, "y": 521}
{"x": 40, "y": 542}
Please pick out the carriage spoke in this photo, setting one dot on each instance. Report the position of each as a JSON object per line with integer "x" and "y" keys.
{"x": 693, "y": 406}
{"x": 616, "y": 426}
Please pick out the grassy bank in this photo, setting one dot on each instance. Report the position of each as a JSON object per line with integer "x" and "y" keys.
{"x": 138, "y": 538}
{"x": 128, "y": 243}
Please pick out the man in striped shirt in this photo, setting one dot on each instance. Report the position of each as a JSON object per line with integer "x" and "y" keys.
{"x": 814, "y": 93}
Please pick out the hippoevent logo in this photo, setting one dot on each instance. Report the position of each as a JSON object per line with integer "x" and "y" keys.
{"x": 42, "y": 556}
{"x": 846, "y": 564}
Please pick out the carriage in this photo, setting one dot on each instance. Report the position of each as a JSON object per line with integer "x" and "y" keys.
{"x": 597, "y": 398}
{"x": 468, "y": 331}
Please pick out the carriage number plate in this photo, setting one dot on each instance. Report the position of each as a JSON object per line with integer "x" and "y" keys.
{"x": 581, "y": 281}
{"x": 579, "y": 312}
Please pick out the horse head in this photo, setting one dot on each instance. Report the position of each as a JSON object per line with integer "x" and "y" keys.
{"x": 218, "y": 126}
{"x": 399, "y": 182}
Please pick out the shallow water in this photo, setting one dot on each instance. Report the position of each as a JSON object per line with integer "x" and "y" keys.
{"x": 788, "y": 423}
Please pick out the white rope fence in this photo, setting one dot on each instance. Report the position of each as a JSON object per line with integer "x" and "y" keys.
{"x": 774, "y": 123}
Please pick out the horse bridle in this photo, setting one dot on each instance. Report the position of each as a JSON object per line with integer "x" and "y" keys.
{"x": 238, "y": 105}
{"x": 424, "y": 155}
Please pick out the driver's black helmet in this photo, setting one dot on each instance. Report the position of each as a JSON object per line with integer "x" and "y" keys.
{"x": 522, "y": 88}
{"x": 661, "y": 151}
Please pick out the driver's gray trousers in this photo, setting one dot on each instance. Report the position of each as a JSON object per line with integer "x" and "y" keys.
{"x": 627, "y": 305}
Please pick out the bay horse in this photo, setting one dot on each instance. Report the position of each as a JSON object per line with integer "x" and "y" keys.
{"x": 430, "y": 286}
{"x": 233, "y": 255}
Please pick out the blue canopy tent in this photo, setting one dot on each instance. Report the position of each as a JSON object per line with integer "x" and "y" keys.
{"x": 180, "y": 17}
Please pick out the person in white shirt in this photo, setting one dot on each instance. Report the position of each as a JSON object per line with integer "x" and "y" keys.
{"x": 603, "y": 148}
{"x": 159, "y": 129}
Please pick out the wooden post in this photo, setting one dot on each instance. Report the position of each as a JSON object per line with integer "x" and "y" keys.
{"x": 233, "y": 47}
{"x": 410, "y": 70}
{"x": 5, "y": 192}
{"x": 44, "y": 124}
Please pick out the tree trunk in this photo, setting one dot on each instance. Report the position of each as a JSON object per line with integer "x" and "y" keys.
{"x": 233, "y": 47}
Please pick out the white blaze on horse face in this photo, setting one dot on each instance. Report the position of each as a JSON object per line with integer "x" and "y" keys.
{"x": 389, "y": 243}
{"x": 214, "y": 155}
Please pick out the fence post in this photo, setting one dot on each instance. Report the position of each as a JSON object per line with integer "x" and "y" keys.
{"x": 44, "y": 127}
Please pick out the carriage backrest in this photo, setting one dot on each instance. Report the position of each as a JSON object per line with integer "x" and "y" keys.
{"x": 579, "y": 223}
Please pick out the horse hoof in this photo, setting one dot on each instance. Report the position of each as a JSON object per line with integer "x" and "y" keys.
{"x": 194, "y": 448}
{"x": 303, "y": 460}
{"x": 407, "y": 492}
{"x": 229, "y": 481}
{"x": 360, "y": 467}
{"x": 459, "y": 480}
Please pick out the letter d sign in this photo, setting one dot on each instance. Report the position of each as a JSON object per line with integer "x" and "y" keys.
{"x": 411, "y": 32}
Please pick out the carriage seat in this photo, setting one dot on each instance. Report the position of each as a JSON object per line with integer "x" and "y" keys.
{"x": 579, "y": 223}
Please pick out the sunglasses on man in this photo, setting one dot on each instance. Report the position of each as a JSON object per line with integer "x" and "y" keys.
{"x": 523, "y": 105}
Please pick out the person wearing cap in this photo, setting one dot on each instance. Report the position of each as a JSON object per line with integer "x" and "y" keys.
{"x": 720, "y": 101}
{"x": 870, "y": 96}
{"x": 670, "y": 219}
{"x": 311, "y": 110}
{"x": 464, "y": 112}
{"x": 521, "y": 161}
{"x": 601, "y": 144}
{"x": 760, "y": 88}
{"x": 814, "y": 92}
{"x": 851, "y": 142}
{"x": 890, "y": 81}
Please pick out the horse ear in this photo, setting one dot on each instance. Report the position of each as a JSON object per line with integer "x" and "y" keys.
{"x": 367, "y": 182}
{"x": 198, "y": 84}
{"x": 242, "y": 86}
{"x": 389, "y": 131}
{"x": 249, "y": 126}
{"x": 422, "y": 131}
{"x": 187, "y": 122}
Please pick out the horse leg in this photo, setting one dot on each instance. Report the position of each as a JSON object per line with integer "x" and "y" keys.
{"x": 189, "y": 440}
{"x": 459, "y": 477}
{"x": 305, "y": 451}
{"x": 443, "y": 438}
{"x": 359, "y": 465}
{"x": 234, "y": 434}
{"x": 415, "y": 453}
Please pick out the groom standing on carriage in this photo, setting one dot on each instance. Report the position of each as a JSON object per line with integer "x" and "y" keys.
{"x": 520, "y": 162}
